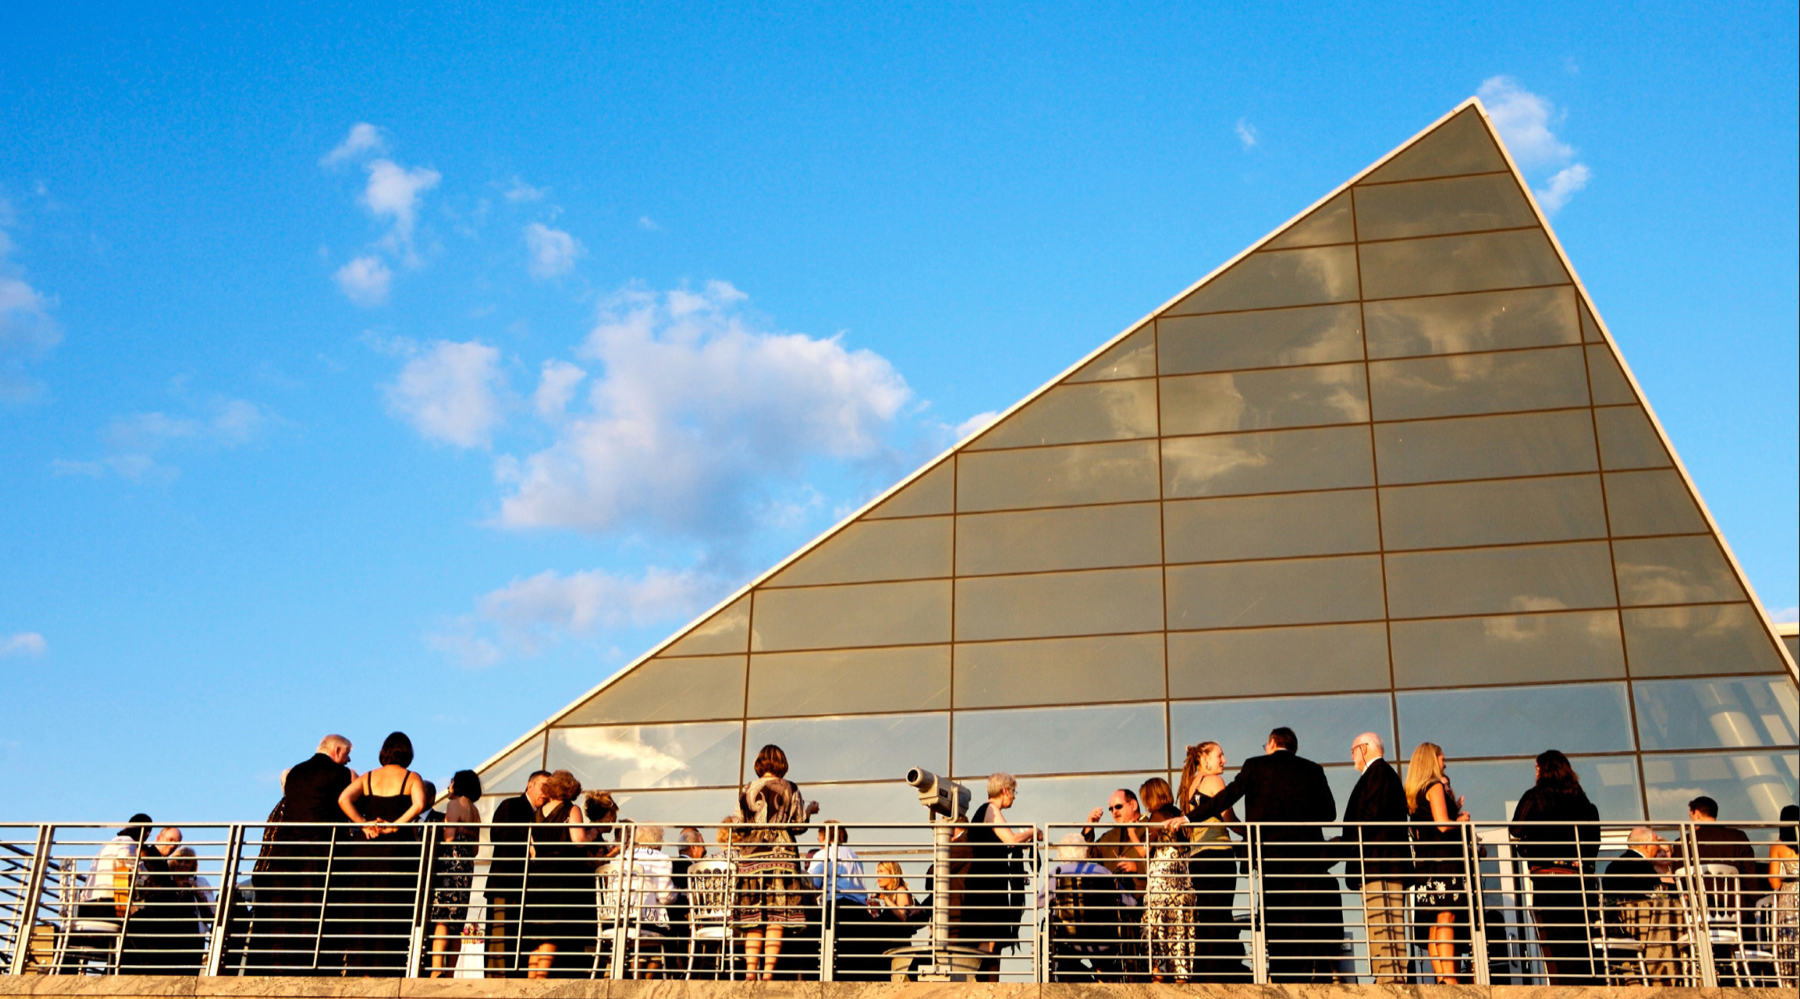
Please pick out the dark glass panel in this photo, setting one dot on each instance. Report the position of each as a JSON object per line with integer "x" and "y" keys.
{"x": 1264, "y": 400}
{"x": 704, "y": 754}
{"x": 829, "y": 617}
{"x": 1213, "y": 530}
{"x": 1686, "y": 570}
{"x": 1270, "y": 339}
{"x": 1077, "y": 414}
{"x": 1485, "y": 447}
{"x": 1747, "y": 786}
{"x": 908, "y": 678}
{"x": 726, "y": 631}
{"x": 1460, "y": 145}
{"x": 1059, "y": 476}
{"x": 1518, "y": 721}
{"x": 1522, "y": 258}
{"x": 1606, "y": 378}
{"x": 508, "y": 773}
{"x": 1132, "y": 357}
{"x": 1061, "y": 740}
{"x": 668, "y": 689}
{"x": 1726, "y": 713}
{"x": 1277, "y": 660}
{"x": 1513, "y": 648}
{"x": 1098, "y": 602}
{"x": 1650, "y": 503}
{"x": 873, "y": 550}
{"x": 1331, "y": 223}
{"x": 1083, "y": 537}
{"x": 1590, "y": 330}
{"x": 1439, "y": 207}
{"x": 1793, "y": 644}
{"x": 1274, "y": 278}
{"x": 1066, "y": 800}
{"x": 1467, "y": 384}
{"x": 1060, "y": 671}
{"x": 704, "y": 805}
{"x": 1492, "y": 788}
{"x": 1326, "y": 725}
{"x": 931, "y": 493}
{"x": 1683, "y": 641}
{"x": 1297, "y": 591}
{"x": 1464, "y": 514}
{"x": 1499, "y": 580}
{"x": 1282, "y": 461}
{"x": 1458, "y": 324}
{"x": 854, "y": 747}
{"x": 1627, "y": 440}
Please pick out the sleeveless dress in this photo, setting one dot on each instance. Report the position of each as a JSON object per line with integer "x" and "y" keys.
{"x": 1168, "y": 919}
{"x": 455, "y": 873}
{"x": 1437, "y": 856}
{"x": 1786, "y": 920}
{"x": 1212, "y": 871}
{"x": 382, "y": 877}
{"x": 995, "y": 899}
{"x": 561, "y": 906}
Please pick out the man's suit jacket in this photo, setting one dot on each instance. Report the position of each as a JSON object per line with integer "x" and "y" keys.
{"x": 1279, "y": 787}
{"x": 512, "y": 827}
{"x": 312, "y": 791}
{"x": 1380, "y": 853}
{"x": 1114, "y": 848}
{"x": 1629, "y": 877}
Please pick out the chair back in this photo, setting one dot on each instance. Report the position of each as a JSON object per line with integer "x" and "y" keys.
{"x": 709, "y": 891}
{"x": 1720, "y": 889}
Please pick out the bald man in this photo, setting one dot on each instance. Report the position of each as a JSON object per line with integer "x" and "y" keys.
{"x": 1378, "y": 858}
{"x": 289, "y": 906}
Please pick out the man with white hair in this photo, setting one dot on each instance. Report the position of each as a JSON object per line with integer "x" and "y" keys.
{"x": 1378, "y": 858}
{"x": 1634, "y": 895}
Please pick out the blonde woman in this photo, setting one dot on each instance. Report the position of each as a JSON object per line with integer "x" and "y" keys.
{"x": 1437, "y": 853}
{"x": 895, "y": 913}
{"x": 1213, "y": 867}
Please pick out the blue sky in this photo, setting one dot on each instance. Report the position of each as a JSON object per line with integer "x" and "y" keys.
{"x": 366, "y": 368}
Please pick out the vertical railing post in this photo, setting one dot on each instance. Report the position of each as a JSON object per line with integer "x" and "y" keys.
{"x": 28, "y": 904}
{"x": 1699, "y": 923}
{"x": 224, "y": 903}
{"x": 622, "y": 903}
{"x": 828, "y": 912}
{"x": 1478, "y": 950}
{"x": 1040, "y": 930}
{"x": 421, "y": 909}
{"x": 1258, "y": 898}
{"x": 331, "y": 838}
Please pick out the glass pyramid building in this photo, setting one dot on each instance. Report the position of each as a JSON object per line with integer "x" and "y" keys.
{"x": 1386, "y": 469}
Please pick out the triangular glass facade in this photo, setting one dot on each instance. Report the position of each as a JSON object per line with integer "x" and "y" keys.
{"x": 1384, "y": 471}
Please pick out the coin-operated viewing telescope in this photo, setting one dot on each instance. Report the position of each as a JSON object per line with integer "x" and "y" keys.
{"x": 947, "y": 804}
{"x": 940, "y": 795}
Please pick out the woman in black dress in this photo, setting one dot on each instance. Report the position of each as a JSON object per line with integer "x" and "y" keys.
{"x": 455, "y": 865}
{"x": 380, "y": 867}
{"x": 1560, "y": 858}
{"x": 561, "y": 907}
{"x": 994, "y": 902}
{"x": 1438, "y": 857}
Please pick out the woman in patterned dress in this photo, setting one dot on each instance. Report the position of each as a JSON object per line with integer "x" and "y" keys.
{"x": 1168, "y": 920}
{"x": 455, "y": 864}
{"x": 770, "y": 886}
{"x": 1784, "y": 877}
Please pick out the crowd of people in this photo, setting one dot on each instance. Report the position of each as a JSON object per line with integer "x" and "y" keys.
{"x": 1151, "y": 896}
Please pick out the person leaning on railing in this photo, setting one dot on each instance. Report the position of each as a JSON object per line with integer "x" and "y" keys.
{"x": 995, "y": 903}
{"x": 377, "y": 870}
{"x": 1560, "y": 857}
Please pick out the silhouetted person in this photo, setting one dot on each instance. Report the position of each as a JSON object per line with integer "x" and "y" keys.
{"x": 290, "y": 896}
{"x": 1379, "y": 858}
{"x": 506, "y": 873}
{"x": 1560, "y": 858}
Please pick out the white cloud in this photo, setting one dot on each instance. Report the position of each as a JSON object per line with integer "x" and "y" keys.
{"x": 1246, "y": 133}
{"x": 696, "y": 416}
{"x": 1563, "y": 186}
{"x": 363, "y": 138}
{"x": 1786, "y": 615}
{"x": 519, "y": 191}
{"x": 556, "y": 386}
{"x": 1524, "y": 121}
{"x": 393, "y": 193}
{"x": 25, "y": 643}
{"x": 27, "y": 332}
{"x": 526, "y": 615}
{"x": 136, "y": 444}
{"x": 647, "y": 223}
{"x": 553, "y": 252}
{"x": 978, "y": 422}
{"x": 365, "y": 280}
{"x": 450, "y": 392}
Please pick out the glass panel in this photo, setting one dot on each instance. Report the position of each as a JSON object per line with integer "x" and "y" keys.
{"x": 1213, "y": 530}
{"x": 615, "y": 756}
{"x": 1517, "y": 648}
{"x": 1464, "y": 514}
{"x": 1277, "y": 338}
{"x": 1105, "y": 601}
{"x": 1296, "y": 591}
{"x": 830, "y": 617}
{"x": 1271, "y": 279}
{"x": 887, "y": 801}
{"x": 854, "y": 747}
{"x": 1740, "y": 713}
{"x": 508, "y": 774}
{"x": 1061, "y": 740}
{"x": 708, "y": 805}
{"x": 1132, "y": 357}
{"x": 1264, "y": 400}
{"x": 1061, "y": 476}
{"x": 1499, "y": 580}
{"x": 1278, "y": 660}
{"x": 1627, "y": 440}
{"x": 1458, "y": 324}
{"x": 933, "y": 492}
{"x": 1683, "y": 641}
{"x": 1067, "y": 799}
{"x": 1493, "y": 787}
{"x": 1075, "y": 414}
{"x": 1650, "y": 503}
{"x": 1060, "y": 671}
{"x": 910, "y": 678}
{"x": 1747, "y": 786}
{"x": 1284, "y": 461}
{"x": 1085, "y": 537}
{"x": 1325, "y": 725}
{"x": 1460, "y": 145}
{"x": 668, "y": 689}
{"x": 1607, "y": 378}
{"x": 727, "y": 631}
{"x": 1331, "y": 223}
{"x": 1793, "y": 644}
{"x": 1465, "y": 384}
{"x": 1689, "y": 570}
{"x": 1436, "y": 207}
{"x": 1439, "y": 265}
{"x": 870, "y": 550}
{"x": 1518, "y": 721}
{"x": 1590, "y": 330}
{"x": 1485, "y": 447}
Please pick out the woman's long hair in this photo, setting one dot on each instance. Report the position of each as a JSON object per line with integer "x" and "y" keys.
{"x": 1427, "y": 765}
{"x": 1555, "y": 775}
{"x": 1190, "y": 770}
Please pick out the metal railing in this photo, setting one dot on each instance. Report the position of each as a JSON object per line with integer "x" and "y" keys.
{"x": 1485, "y": 903}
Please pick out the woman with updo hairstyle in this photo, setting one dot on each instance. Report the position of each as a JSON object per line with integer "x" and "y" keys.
{"x": 770, "y": 887}
{"x": 602, "y": 812}
{"x": 560, "y": 900}
{"x": 381, "y": 865}
{"x": 455, "y": 864}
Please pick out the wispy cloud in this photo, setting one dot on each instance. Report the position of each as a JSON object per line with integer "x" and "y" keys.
{"x": 24, "y": 643}
{"x": 450, "y": 392}
{"x": 392, "y": 195}
{"x": 1525, "y": 121}
{"x": 1246, "y": 133}
{"x": 518, "y": 191}
{"x": 27, "y": 331}
{"x": 1786, "y": 615}
{"x": 136, "y": 446}
{"x": 647, "y": 224}
{"x": 553, "y": 251}
{"x": 365, "y": 280}
{"x": 976, "y": 423}
{"x": 362, "y": 140}
{"x": 529, "y": 614}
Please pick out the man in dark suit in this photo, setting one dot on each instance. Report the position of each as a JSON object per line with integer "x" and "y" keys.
{"x": 505, "y": 886}
{"x": 1378, "y": 858}
{"x": 1302, "y": 905}
{"x": 288, "y": 913}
